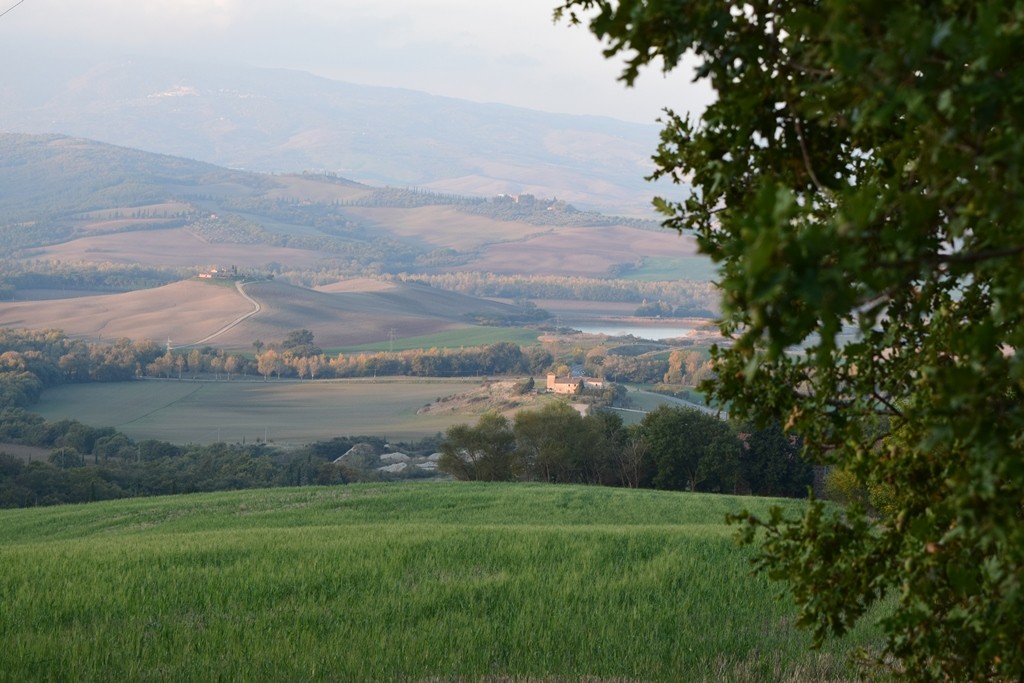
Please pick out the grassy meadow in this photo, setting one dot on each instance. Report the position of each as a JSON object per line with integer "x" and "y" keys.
{"x": 450, "y": 339}
{"x": 658, "y": 268}
{"x": 284, "y": 411}
{"x": 403, "y": 582}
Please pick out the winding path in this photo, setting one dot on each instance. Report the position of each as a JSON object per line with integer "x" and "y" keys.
{"x": 256, "y": 308}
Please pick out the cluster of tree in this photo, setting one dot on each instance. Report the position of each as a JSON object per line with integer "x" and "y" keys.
{"x": 71, "y": 179}
{"x": 378, "y": 253}
{"x": 661, "y": 309}
{"x": 16, "y": 237}
{"x": 695, "y": 295}
{"x": 87, "y": 464}
{"x": 860, "y": 165}
{"x": 645, "y": 369}
{"x": 35, "y": 359}
{"x": 526, "y": 208}
{"x": 411, "y": 198}
{"x": 673, "y": 448}
{"x": 103, "y": 277}
{"x": 642, "y": 364}
{"x": 527, "y": 313}
{"x": 502, "y": 358}
{"x": 32, "y": 360}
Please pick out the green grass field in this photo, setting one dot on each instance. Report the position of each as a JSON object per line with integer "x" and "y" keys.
{"x": 284, "y": 412}
{"x": 451, "y": 339}
{"x": 407, "y": 582}
{"x": 658, "y": 268}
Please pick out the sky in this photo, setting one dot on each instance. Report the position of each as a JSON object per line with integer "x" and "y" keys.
{"x": 506, "y": 51}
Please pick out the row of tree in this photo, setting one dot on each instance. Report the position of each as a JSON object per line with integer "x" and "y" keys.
{"x": 84, "y": 463}
{"x": 30, "y": 361}
{"x": 490, "y": 359}
{"x": 672, "y": 448}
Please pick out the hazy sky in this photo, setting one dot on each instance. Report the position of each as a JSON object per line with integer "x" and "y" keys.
{"x": 507, "y": 51}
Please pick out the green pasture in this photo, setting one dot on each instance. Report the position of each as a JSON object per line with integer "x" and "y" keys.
{"x": 659, "y": 268}
{"x": 407, "y": 582}
{"x": 451, "y": 339}
{"x": 642, "y": 402}
{"x": 289, "y": 411}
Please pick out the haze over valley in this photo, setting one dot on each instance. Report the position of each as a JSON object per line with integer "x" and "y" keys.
{"x": 140, "y": 221}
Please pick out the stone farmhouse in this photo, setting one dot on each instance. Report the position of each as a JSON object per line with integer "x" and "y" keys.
{"x": 571, "y": 384}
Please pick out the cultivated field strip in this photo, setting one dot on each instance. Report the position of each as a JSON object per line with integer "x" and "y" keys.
{"x": 410, "y": 582}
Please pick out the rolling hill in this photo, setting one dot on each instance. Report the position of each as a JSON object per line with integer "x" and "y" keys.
{"x": 82, "y": 217}
{"x": 345, "y": 314}
{"x": 74, "y": 199}
{"x": 280, "y": 121}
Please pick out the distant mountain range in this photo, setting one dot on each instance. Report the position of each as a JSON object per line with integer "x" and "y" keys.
{"x": 80, "y": 218}
{"x": 77, "y": 199}
{"x": 281, "y": 121}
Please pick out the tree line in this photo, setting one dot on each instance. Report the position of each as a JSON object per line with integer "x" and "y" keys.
{"x": 672, "y": 448}
{"x": 32, "y": 360}
{"x": 688, "y": 294}
{"x": 87, "y": 464}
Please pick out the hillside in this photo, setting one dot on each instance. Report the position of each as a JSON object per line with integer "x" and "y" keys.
{"x": 83, "y": 217}
{"x": 345, "y": 314}
{"x": 183, "y": 312}
{"x": 73, "y": 199}
{"x": 279, "y": 121}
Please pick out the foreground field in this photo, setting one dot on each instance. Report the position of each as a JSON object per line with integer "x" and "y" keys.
{"x": 284, "y": 412}
{"x": 411, "y": 582}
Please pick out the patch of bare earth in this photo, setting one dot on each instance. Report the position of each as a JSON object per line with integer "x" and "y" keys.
{"x": 445, "y": 226}
{"x": 175, "y": 248}
{"x": 585, "y": 252}
{"x": 184, "y": 312}
{"x": 499, "y": 396}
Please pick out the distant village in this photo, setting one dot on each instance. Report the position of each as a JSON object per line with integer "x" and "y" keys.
{"x": 233, "y": 273}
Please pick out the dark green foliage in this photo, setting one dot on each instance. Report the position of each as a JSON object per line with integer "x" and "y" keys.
{"x": 692, "y": 451}
{"x": 19, "y": 274}
{"x": 684, "y": 294}
{"x": 485, "y": 452}
{"x": 525, "y": 387}
{"x": 860, "y": 170}
{"x": 299, "y": 343}
{"x": 558, "y": 445}
{"x": 772, "y": 464}
{"x": 115, "y": 467}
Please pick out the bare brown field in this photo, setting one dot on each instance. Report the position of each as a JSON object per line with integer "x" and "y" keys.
{"x": 183, "y": 311}
{"x": 445, "y": 226}
{"x": 351, "y": 314}
{"x": 359, "y": 284}
{"x": 123, "y": 224}
{"x": 176, "y": 248}
{"x": 345, "y": 314}
{"x": 585, "y": 252}
{"x": 315, "y": 188}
